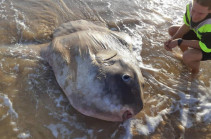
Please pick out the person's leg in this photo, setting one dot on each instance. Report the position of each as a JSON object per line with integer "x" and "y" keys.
{"x": 192, "y": 58}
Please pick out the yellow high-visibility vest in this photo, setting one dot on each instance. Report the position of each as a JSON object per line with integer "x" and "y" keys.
{"x": 202, "y": 28}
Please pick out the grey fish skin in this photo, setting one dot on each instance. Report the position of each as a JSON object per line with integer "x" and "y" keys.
{"x": 96, "y": 70}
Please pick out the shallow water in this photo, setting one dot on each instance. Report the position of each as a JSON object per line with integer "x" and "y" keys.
{"x": 32, "y": 105}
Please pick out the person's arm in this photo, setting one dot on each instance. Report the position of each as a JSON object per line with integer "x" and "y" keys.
{"x": 188, "y": 43}
{"x": 204, "y": 43}
{"x": 181, "y": 31}
{"x": 191, "y": 43}
{"x": 172, "y": 42}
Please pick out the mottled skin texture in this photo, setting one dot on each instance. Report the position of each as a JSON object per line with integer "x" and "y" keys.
{"x": 96, "y": 70}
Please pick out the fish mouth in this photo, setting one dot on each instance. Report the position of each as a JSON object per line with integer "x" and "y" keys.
{"x": 127, "y": 115}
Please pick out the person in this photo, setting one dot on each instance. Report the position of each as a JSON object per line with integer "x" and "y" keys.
{"x": 194, "y": 36}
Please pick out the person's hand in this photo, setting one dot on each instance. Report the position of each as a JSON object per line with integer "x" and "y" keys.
{"x": 166, "y": 45}
{"x": 173, "y": 44}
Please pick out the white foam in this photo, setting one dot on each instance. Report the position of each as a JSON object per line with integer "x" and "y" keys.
{"x": 205, "y": 115}
{"x": 185, "y": 119}
{"x": 14, "y": 124}
{"x": 114, "y": 134}
{"x": 186, "y": 99}
{"x": 144, "y": 129}
{"x": 10, "y": 112}
{"x": 3, "y": 11}
{"x": 204, "y": 107}
{"x": 59, "y": 100}
{"x": 7, "y": 102}
{"x": 59, "y": 129}
{"x": 109, "y": 5}
{"x": 24, "y": 135}
{"x": 20, "y": 23}
{"x": 16, "y": 67}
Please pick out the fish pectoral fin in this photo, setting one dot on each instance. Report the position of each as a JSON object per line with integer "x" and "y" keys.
{"x": 105, "y": 55}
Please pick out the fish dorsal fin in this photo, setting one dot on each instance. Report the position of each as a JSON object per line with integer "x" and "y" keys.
{"x": 77, "y": 26}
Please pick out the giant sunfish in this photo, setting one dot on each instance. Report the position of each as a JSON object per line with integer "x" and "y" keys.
{"x": 97, "y": 71}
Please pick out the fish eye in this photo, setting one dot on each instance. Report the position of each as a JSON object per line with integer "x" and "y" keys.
{"x": 126, "y": 78}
